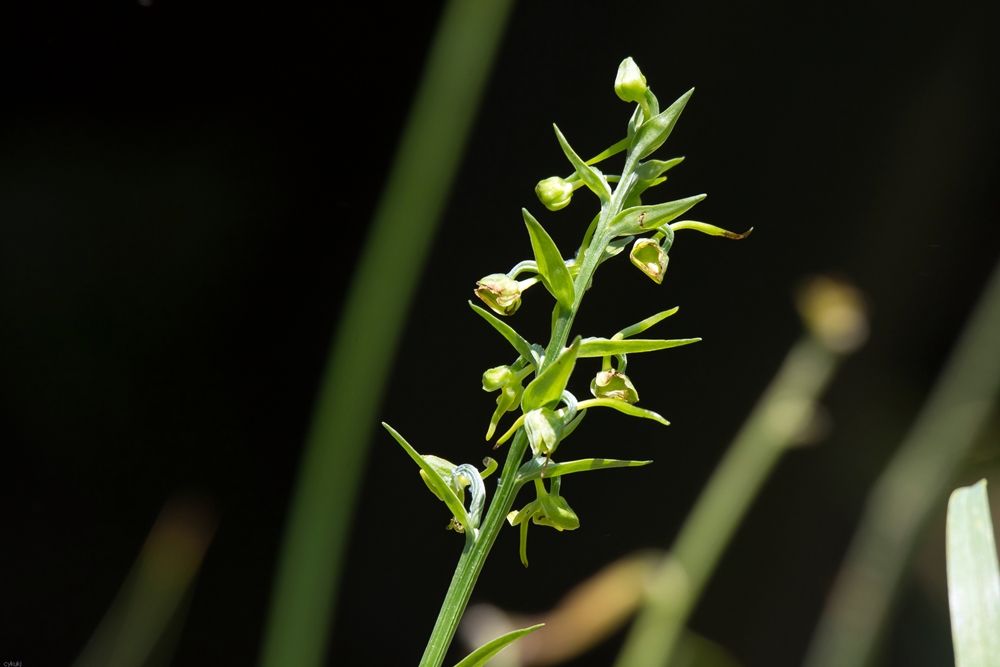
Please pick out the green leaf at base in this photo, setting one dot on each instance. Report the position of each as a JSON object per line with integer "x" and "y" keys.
{"x": 488, "y": 650}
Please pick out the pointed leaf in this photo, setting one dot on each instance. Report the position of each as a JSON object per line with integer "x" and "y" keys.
{"x": 640, "y": 219}
{"x": 610, "y": 152}
{"x": 973, "y": 578}
{"x": 592, "y": 177}
{"x": 655, "y": 131}
{"x": 615, "y": 248}
{"x": 446, "y": 492}
{"x": 651, "y": 170}
{"x": 639, "y": 327}
{"x": 622, "y": 406}
{"x": 521, "y": 345}
{"x": 487, "y": 651}
{"x": 548, "y": 386}
{"x": 551, "y": 265}
{"x": 534, "y": 468}
{"x": 603, "y": 347}
{"x": 654, "y": 104}
{"x": 711, "y": 230}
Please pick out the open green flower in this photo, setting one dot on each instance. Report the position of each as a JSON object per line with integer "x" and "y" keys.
{"x": 612, "y": 384}
{"x": 650, "y": 258}
{"x": 548, "y": 509}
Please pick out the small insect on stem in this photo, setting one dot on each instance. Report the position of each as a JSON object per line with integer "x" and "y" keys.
{"x": 642, "y": 216}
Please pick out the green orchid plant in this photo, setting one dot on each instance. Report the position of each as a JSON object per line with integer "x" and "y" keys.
{"x": 549, "y": 413}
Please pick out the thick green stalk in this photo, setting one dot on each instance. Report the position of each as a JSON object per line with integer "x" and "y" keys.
{"x": 470, "y": 564}
{"x": 301, "y": 612}
{"x": 780, "y": 413}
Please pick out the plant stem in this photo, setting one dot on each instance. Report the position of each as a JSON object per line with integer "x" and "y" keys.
{"x": 470, "y": 564}
{"x": 781, "y": 412}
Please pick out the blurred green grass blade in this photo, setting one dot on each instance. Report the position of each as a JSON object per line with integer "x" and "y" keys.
{"x": 910, "y": 489}
{"x": 778, "y": 417}
{"x": 370, "y": 326}
{"x": 973, "y": 578}
{"x": 485, "y": 653}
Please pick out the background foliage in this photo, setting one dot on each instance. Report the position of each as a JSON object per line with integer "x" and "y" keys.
{"x": 185, "y": 188}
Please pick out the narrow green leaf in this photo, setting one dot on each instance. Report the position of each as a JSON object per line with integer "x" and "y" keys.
{"x": 973, "y": 578}
{"x": 533, "y": 469}
{"x": 592, "y": 177}
{"x": 521, "y": 345}
{"x": 551, "y": 266}
{"x": 615, "y": 248}
{"x": 484, "y": 653}
{"x": 610, "y": 152}
{"x": 641, "y": 219}
{"x": 450, "y": 499}
{"x": 548, "y": 386}
{"x": 604, "y": 347}
{"x": 711, "y": 230}
{"x": 622, "y": 406}
{"x": 651, "y": 170}
{"x": 639, "y": 327}
{"x": 652, "y": 102}
{"x": 655, "y": 131}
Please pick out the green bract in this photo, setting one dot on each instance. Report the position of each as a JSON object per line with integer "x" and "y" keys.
{"x": 537, "y": 384}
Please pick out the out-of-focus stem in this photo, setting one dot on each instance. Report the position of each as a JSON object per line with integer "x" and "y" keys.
{"x": 912, "y": 486}
{"x": 782, "y": 412}
{"x": 371, "y": 324}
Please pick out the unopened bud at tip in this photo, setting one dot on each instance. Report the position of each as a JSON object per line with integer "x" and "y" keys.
{"x": 630, "y": 84}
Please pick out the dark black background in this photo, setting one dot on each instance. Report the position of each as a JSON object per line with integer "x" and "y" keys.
{"x": 184, "y": 188}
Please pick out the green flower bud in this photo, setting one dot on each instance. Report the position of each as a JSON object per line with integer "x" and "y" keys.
{"x": 555, "y": 193}
{"x": 495, "y": 378}
{"x": 612, "y": 384}
{"x": 544, "y": 429}
{"x": 650, "y": 258}
{"x": 630, "y": 84}
{"x": 442, "y": 467}
{"x": 556, "y": 513}
{"x": 500, "y": 292}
